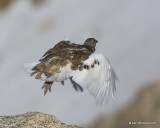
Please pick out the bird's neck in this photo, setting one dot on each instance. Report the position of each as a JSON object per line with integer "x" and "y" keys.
{"x": 90, "y": 48}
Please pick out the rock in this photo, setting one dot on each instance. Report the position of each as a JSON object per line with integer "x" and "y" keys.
{"x": 32, "y": 120}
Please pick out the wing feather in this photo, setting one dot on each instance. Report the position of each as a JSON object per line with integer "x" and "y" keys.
{"x": 99, "y": 80}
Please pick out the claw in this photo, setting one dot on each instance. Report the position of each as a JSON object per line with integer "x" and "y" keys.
{"x": 62, "y": 82}
{"x": 76, "y": 86}
{"x": 47, "y": 87}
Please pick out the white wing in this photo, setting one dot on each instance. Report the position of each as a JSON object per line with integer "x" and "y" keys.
{"x": 99, "y": 79}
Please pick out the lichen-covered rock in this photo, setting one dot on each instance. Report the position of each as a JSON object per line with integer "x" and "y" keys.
{"x": 32, "y": 120}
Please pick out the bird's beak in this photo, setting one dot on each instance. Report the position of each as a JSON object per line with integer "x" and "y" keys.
{"x": 96, "y": 41}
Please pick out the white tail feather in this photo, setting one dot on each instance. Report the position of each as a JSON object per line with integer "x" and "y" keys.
{"x": 27, "y": 67}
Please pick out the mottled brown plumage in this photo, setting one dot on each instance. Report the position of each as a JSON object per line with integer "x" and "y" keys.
{"x": 78, "y": 63}
{"x": 60, "y": 55}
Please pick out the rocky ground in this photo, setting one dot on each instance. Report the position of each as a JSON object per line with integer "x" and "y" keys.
{"x": 32, "y": 120}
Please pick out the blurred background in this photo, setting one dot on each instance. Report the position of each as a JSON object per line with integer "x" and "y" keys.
{"x": 128, "y": 33}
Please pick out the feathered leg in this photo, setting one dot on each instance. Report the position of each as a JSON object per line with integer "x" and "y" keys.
{"x": 76, "y": 86}
{"x": 62, "y": 82}
{"x": 47, "y": 86}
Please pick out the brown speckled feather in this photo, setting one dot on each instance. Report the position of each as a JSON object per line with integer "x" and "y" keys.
{"x": 79, "y": 63}
{"x": 59, "y": 56}
{"x": 59, "y": 62}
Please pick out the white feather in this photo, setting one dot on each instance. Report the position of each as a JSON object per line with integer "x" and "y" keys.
{"x": 100, "y": 80}
{"x": 27, "y": 67}
{"x": 66, "y": 38}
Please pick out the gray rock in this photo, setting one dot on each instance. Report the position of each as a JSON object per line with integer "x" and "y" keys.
{"x": 32, "y": 120}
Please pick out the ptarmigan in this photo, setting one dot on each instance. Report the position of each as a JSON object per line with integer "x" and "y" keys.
{"x": 79, "y": 63}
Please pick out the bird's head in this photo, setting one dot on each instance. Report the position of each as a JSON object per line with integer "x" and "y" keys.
{"x": 91, "y": 42}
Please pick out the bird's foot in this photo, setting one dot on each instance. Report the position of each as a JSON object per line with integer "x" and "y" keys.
{"x": 47, "y": 87}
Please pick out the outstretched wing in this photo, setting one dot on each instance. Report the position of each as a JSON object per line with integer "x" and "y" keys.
{"x": 97, "y": 76}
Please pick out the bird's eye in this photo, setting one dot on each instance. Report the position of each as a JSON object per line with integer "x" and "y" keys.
{"x": 94, "y": 40}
